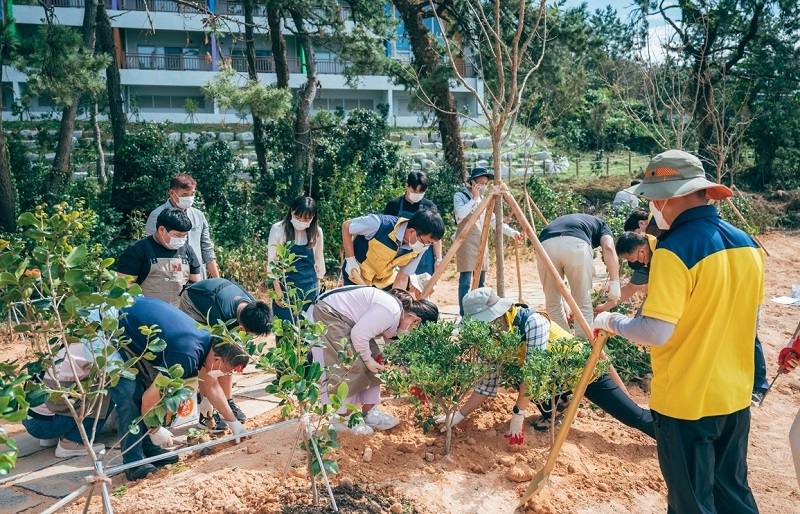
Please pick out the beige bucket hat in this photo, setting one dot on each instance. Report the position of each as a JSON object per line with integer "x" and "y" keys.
{"x": 677, "y": 173}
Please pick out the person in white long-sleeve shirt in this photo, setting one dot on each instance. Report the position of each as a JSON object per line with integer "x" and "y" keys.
{"x": 362, "y": 314}
{"x": 464, "y": 203}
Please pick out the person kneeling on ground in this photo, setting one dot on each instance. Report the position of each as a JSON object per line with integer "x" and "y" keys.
{"x": 360, "y": 315}
{"x": 537, "y": 331}
{"x": 197, "y": 351}
{"x": 52, "y": 422}
{"x": 219, "y": 300}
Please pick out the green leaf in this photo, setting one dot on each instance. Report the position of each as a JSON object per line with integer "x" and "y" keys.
{"x": 27, "y": 218}
{"x": 76, "y": 256}
{"x": 7, "y": 278}
{"x": 37, "y": 397}
{"x": 72, "y": 304}
{"x": 157, "y": 345}
{"x": 73, "y": 277}
{"x": 162, "y": 381}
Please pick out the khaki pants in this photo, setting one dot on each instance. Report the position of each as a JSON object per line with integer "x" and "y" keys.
{"x": 573, "y": 258}
{"x": 358, "y": 378}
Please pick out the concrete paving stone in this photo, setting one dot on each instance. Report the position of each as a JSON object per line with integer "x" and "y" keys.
{"x": 36, "y": 463}
{"x": 13, "y": 500}
{"x": 248, "y": 380}
{"x": 58, "y": 480}
{"x": 28, "y": 445}
{"x": 253, "y": 408}
{"x": 256, "y": 393}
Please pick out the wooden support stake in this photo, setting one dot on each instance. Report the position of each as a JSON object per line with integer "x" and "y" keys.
{"x": 519, "y": 272}
{"x": 536, "y": 207}
{"x": 560, "y": 283}
{"x": 476, "y": 275}
{"x": 454, "y": 248}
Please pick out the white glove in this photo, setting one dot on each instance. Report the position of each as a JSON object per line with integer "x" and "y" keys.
{"x": 350, "y": 265}
{"x": 516, "y": 434}
{"x": 605, "y": 321}
{"x": 614, "y": 292}
{"x": 517, "y": 236}
{"x": 455, "y": 420}
{"x": 161, "y": 437}
{"x": 205, "y": 407}
{"x": 373, "y": 365}
{"x": 237, "y": 427}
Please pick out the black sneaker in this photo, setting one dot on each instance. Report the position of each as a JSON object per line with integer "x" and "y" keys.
{"x": 756, "y": 398}
{"x": 237, "y": 412}
{"x": 213, "y": 424}
{"x": 542, "y": 424}
{"x": 139, "y": 471}
{"x": 155, "y": 451}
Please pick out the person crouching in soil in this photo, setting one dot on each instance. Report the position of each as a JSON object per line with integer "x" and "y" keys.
{"x": 361, "y": 314}
{"x": 537, "y": 331}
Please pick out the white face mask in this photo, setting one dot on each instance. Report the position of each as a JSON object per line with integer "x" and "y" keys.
{"x": 175, "y": 243}
{"x": 415, "y": 197}
{"x": 659, "y": 217}
{"x": 184, "y": 202}
{"x": 418, "y": 246}
{"x": 482, "y": 189}
{"x": 300, "y": 225}
{"x": 216, "y": 373}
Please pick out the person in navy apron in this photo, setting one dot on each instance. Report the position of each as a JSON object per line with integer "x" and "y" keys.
{"x": 405, "y": 206}
{"x": 300, "y": 225}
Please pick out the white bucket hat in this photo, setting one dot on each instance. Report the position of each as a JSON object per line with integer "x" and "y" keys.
{"x": 483, "y": 304}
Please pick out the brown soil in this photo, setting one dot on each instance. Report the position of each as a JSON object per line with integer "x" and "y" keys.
{"x": 604, "y": 467}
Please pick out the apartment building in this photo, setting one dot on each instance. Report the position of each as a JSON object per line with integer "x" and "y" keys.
{"x": 166, "y": 56}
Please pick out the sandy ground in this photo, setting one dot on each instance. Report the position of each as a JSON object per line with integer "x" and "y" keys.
{"x": 604, "y": 467}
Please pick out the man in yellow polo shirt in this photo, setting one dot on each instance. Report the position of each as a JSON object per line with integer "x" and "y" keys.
{"x": 706, "y": 284}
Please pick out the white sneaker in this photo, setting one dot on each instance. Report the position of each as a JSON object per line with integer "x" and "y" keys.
{"x": 340, "y": 425}
{"x": 74, "y": 450}
{"x": 380, "y": 420}
{"x": 47, "y": 443}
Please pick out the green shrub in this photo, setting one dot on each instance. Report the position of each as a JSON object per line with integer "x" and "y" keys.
{"x": 147, "y": 161}
{"x": 631, "y": 361}
{"x": 552, "y": 204}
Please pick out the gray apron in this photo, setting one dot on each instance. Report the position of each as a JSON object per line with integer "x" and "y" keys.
{"x": 467, "y": 253}
{"x": 167, "y": 276}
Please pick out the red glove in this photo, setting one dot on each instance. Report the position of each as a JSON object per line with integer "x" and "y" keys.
{"x": 379, "y": 358}
{"x": 792, "y": 352}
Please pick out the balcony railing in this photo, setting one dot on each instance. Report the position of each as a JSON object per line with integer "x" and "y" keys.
{"x": 158, "y": 5}
{"x": 267, "y": 65}
{"x": 166, "y": 62}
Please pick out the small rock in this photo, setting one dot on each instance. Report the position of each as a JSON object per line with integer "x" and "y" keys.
{"x": 251, "y": 449}
{"x": 520, "y": 473}
{"x": 299, "y": 472}
{"x": 174, "y": 136}
{"x": 581, "y": 414}
{"x": 226, "y": 136}
{"x": 190, "y": 136}
{"x": 406, "y": 137}
{"x": 406, "y": 448}
{"x": 396, "y": 508}
{"x": 367, "y": 457}
{"x": 603, "y": 487}
{"x": 415, "y": 143}
{"x": 347, "y": 482}
{"x": 77, "y": 134}
{"x": 654, "y": 485}
{"x": 491, "y": 433}
{"x": 429, "y": 457}
{"x": 246, "y": 137}
{"x": 234, "y": 145}
{"x": 483, "y": 142}
{"x": 570, "y": 468}
{"x": 470, "y": 441}
{"x": 507, "y": 461}
{"x": 478, "y": 469}
{"x": 430, "y": 442}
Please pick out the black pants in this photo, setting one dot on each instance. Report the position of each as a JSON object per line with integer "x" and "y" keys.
{"x": 704, "y": 463}
{"x": 607, "y": 395}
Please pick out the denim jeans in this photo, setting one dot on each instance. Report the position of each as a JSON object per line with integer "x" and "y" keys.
{"x": 127, "y": 395}
{"x": 760, "y": 383}
{"x": 63, "y": 426}
{"x": 464, "y": 283}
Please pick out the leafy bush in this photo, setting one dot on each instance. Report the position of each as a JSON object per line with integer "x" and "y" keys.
{"x": 631, "y": 361}
{"x": 213, "y": 166}
{"x": 30, "y": 178}
{"x": 147, "y": 161}
{"x": 434, "y": 364}
{"x": 246, "y": 264}
{"x": 552, "y": 204}
{"x": 757, "y": 219}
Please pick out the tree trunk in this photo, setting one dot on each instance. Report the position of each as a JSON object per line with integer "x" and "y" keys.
{"x": 498, "y": 213}
{"x": 60, "y": 171}
{"x": 8, "y": 219}
{"x": 252, "y": 72}
{"x": 98, "y": 143}
{"x": 278, "y": 45}
{"x": 426, "y": 62}
{"x": 105, "y": 37}
{"x": 305, "y": 100}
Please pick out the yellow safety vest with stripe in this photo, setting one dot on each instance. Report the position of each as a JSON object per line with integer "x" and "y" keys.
{"x": 517, "y": 317}
{"x": 379, "y": 255}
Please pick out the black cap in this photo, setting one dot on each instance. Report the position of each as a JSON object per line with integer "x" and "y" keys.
{"x": 480, "y": 172}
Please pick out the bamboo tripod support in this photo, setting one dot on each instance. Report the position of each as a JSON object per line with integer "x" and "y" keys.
{"x": 502, "y": 190}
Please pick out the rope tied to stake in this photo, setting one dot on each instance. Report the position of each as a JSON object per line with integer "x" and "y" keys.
{"x": 97, "y": 478}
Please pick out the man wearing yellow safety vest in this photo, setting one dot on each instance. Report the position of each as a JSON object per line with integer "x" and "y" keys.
{"x": 386, "y": 249}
